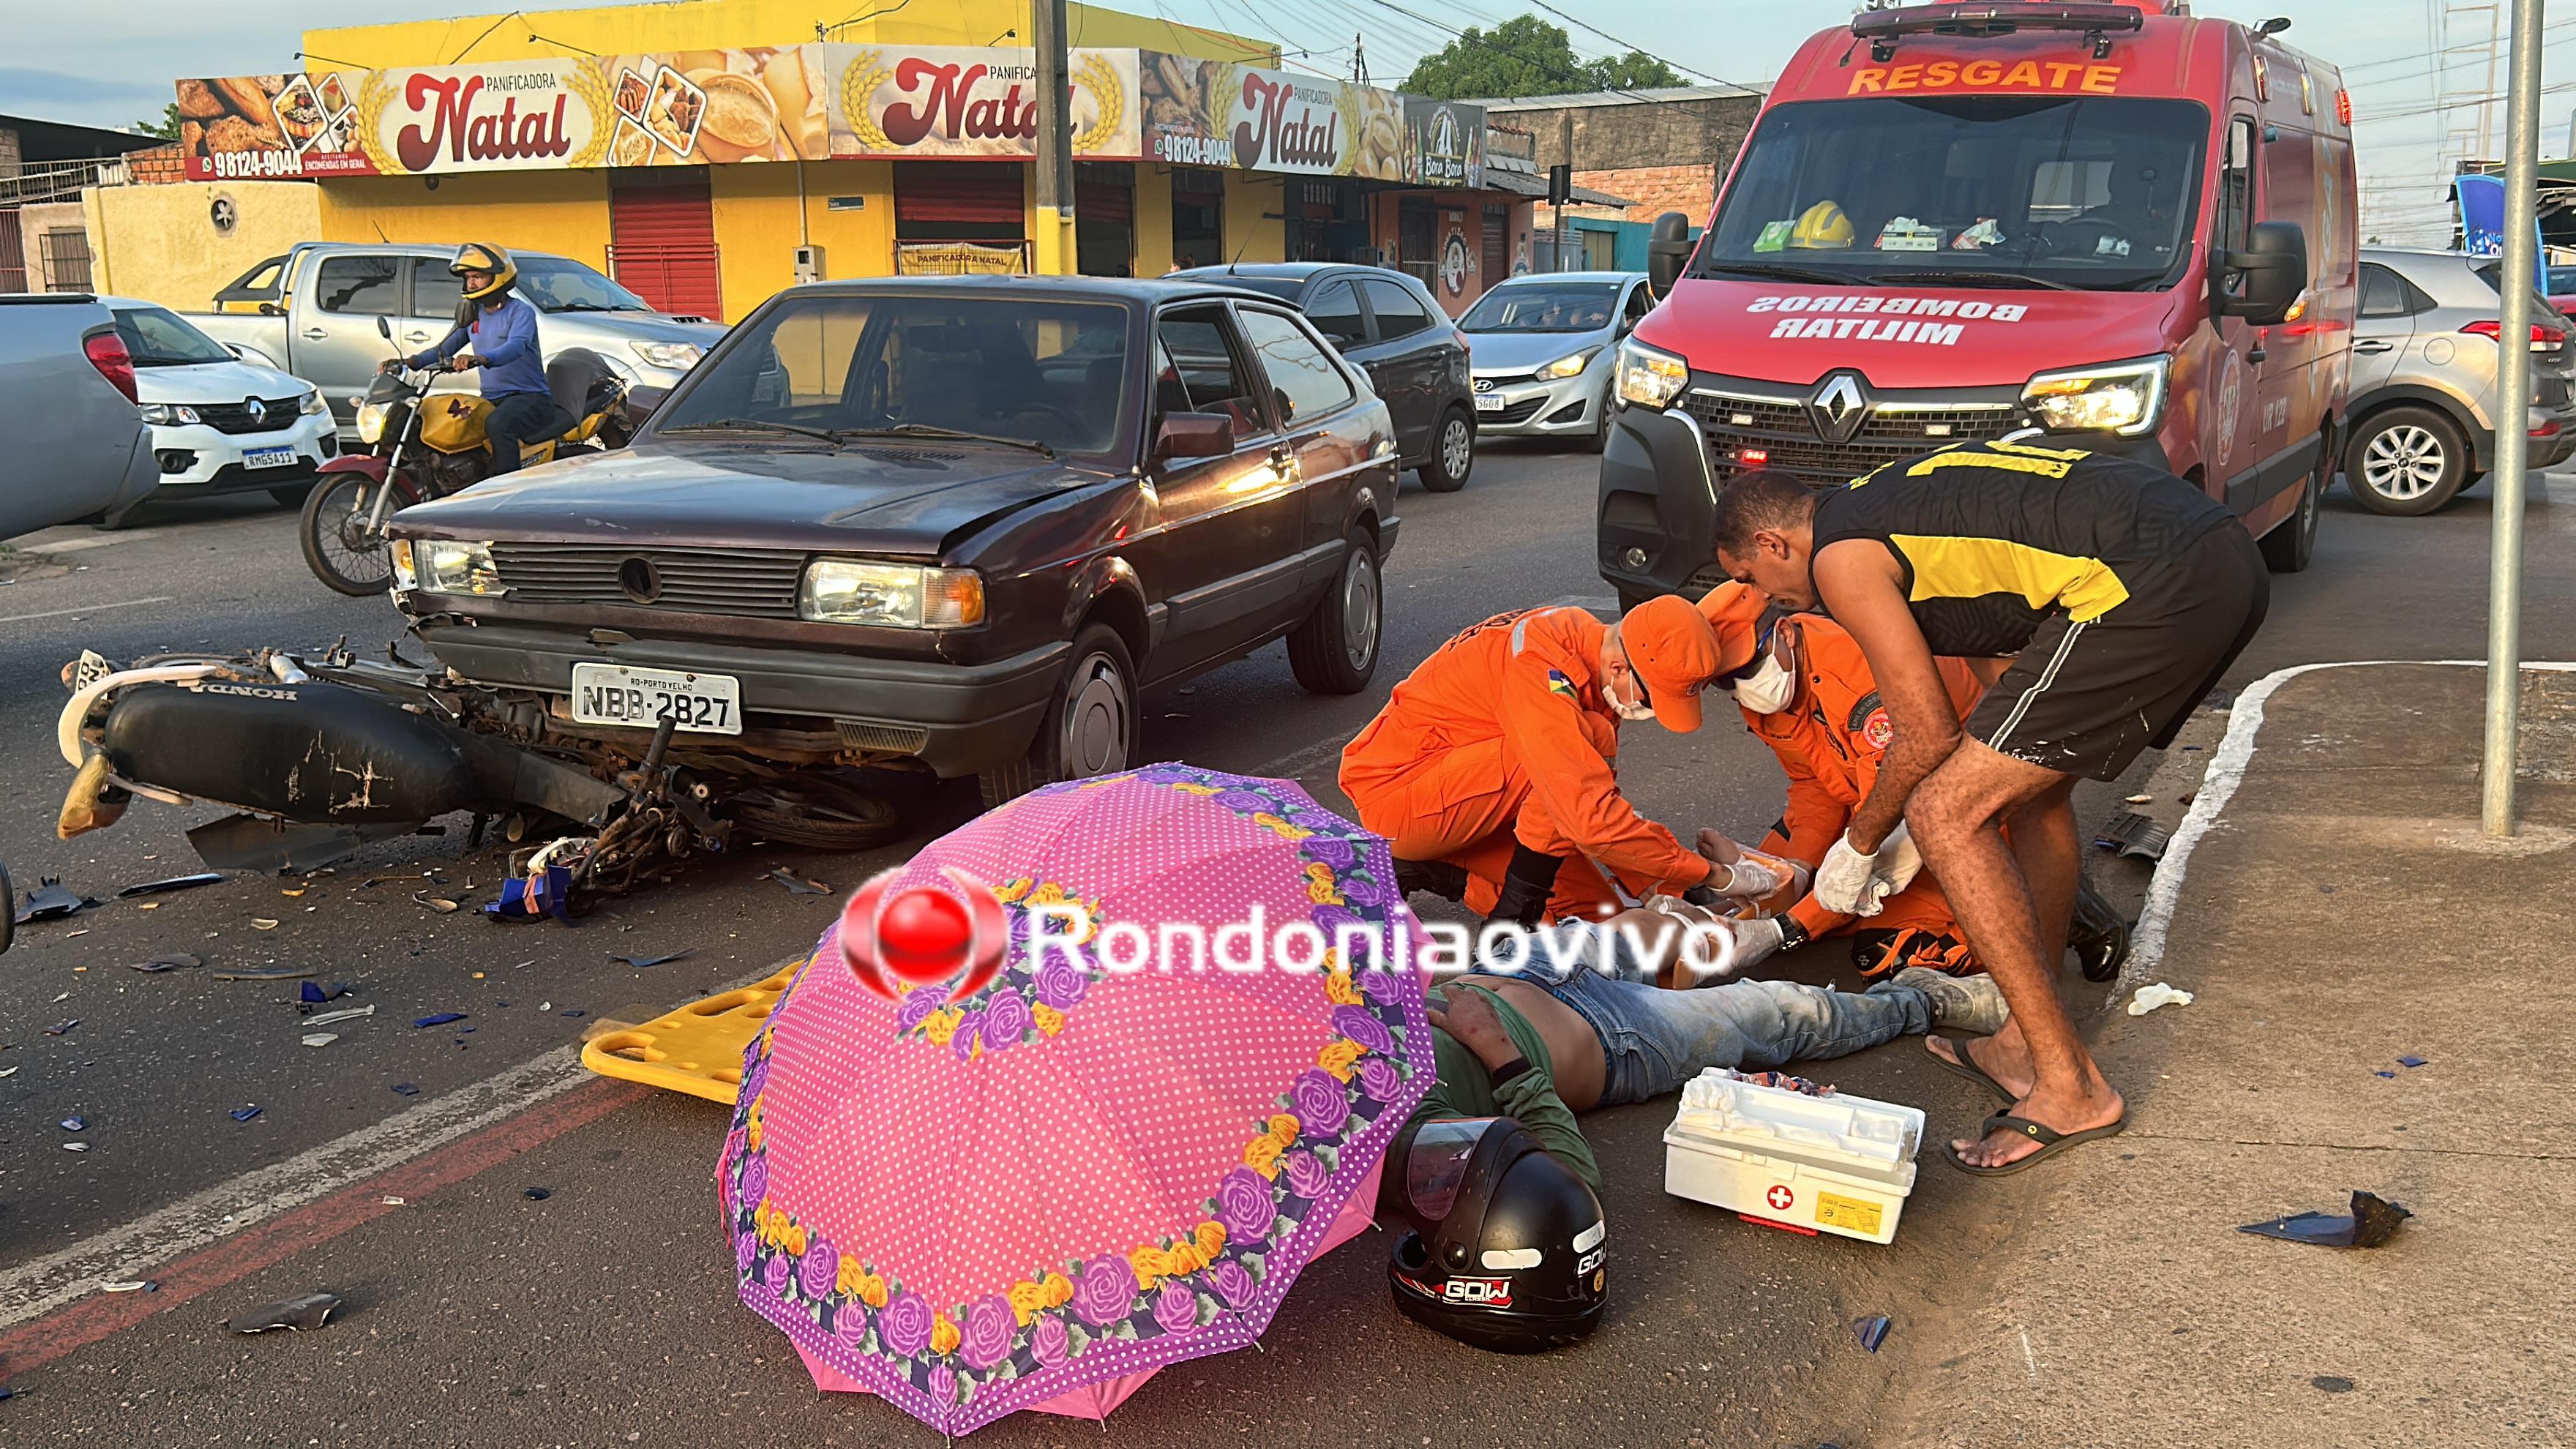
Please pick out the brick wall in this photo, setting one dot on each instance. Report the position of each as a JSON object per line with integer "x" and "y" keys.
{"x": 158, "y": 166}
{"x": 1648, "y": 134}
{"x": 1654, "y": 190}
{"x": 9, "y": 154}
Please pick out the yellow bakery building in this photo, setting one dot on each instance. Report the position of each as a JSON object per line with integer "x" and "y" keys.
{"x": 709, "y": 152}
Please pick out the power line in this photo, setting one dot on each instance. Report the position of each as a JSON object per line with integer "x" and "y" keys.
{"x": 1639, "y": 49}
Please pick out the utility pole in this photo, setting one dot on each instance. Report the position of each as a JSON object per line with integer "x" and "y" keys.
{"x": 1056, "y": 251}
{"x": 2513, "y": 411}
{"x": 1359, "y": 61}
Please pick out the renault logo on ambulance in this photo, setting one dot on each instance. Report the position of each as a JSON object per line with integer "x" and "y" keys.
{"x": 1838, "y": 408}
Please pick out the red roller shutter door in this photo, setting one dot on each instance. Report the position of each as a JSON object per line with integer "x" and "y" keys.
{"x": 986, "y": 194}
{"x": 662, "y": 242}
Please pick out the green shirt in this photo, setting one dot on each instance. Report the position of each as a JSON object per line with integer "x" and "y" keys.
{"x": 1466, "y": 1089}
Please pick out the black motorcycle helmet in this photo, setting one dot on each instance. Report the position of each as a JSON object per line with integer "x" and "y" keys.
{"x": 1506, "y": 1250}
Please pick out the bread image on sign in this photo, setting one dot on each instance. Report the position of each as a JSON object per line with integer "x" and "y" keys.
{"x": 740, "y": 122}
{"x": 677, "y": 109}
{"x": 631, "y": 145}
{"x": 797, "y": 90}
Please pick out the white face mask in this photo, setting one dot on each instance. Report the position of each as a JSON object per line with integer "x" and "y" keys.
{"x": 1640, "y": 710}
{"x": 1770, "y": 688}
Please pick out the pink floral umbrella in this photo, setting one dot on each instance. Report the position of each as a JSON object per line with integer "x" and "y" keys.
{"x": 1038, "y": 1195}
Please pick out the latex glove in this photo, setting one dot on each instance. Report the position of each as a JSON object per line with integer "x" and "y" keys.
{"x": 1849, "y": 883}
{"x": 1755, "y": 941}
{"x": 1738, "y": 874}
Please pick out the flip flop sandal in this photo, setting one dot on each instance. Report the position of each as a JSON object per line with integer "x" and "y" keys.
{"x": 2050, "y": 1141}
{"x": 1969, "y": 1069}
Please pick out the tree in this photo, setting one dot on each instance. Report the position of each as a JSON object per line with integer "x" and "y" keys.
{"x": 1526, "y": 56}
{"x": 167, "y": 128}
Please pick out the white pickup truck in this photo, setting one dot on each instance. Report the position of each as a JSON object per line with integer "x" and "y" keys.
{"x": 313, "y": 311}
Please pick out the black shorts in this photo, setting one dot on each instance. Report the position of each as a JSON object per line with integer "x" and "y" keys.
{"x": 2084, "y": 699}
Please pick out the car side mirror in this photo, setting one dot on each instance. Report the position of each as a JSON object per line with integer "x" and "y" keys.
{"x": 1668, "y": 246}
{"x": 384, "y": 329}
{"x": 2271, "y": 272}
{"x": 235, "y": 349}
{"x": 1193, "y": 435}
{"x": 271, "y": 309}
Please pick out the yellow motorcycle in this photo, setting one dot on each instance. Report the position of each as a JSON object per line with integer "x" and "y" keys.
{"x": 422, "y": 445}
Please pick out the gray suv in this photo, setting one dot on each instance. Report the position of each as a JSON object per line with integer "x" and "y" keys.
{"x": 2423, "y": 389}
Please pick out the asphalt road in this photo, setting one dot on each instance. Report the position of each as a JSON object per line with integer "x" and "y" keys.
{"x": 603, "y": 1313}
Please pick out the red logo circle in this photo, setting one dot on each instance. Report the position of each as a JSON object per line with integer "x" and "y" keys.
{"x": 924, "y": 935}
{"x": 1780, "y": 1197}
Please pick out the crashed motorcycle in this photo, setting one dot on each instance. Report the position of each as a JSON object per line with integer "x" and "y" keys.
{"x": 322, "y": 755}
{"x": 422, "y": 445}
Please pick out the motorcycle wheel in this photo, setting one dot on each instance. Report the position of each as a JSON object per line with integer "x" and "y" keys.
{"x": 815, "y": 814}
{"x": 335, "y": 546}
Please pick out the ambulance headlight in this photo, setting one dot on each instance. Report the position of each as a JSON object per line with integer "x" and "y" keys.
{"x": 2127, "y": 398}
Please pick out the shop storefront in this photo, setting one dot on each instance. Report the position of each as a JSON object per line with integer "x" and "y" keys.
{"x": 706, "y": 179}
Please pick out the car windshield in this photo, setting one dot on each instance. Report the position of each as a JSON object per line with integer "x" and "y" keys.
{"x": 2093, "y": 193}
{"x": 556, "y": 285}
{"x": 159, "y": 337}
{"x": 1544, "y": 307}
{"x": 1018, "y": 367}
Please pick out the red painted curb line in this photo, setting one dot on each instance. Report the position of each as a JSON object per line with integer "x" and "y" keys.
{"x": 40, "y": 1341}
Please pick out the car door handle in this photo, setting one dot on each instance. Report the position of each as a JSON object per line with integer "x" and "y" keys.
{"x": 1283, "y": 461}
{"x": 2374, "y": 346}
{"x": 416, "y": 335}
{"x": 317, "y": 334}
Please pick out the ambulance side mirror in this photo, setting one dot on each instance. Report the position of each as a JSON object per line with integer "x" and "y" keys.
{"x": 1667, "y": 248}
{"x": 2267, "y": 276}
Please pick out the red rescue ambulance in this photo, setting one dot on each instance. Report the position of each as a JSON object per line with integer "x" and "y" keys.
{"x": 2127, "y": 227}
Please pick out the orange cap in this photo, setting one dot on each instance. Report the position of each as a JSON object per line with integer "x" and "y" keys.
{"x": 1675, "y": 654}
{"x": 1735, "y": 611}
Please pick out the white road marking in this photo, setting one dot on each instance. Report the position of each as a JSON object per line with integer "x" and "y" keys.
{"x": 89, "y": 609}
{"x": 44, "y": 1284}
{"x": 2226, "y": 772}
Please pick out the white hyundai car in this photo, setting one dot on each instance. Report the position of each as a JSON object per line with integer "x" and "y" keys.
{"x": 221, "y": 423}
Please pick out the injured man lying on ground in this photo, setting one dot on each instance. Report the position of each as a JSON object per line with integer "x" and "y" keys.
{"x": 1541, "y": 1046}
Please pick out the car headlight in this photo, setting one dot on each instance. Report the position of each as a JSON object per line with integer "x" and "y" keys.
{"x": 168, "y": 414}
{"x": 447, "y": 566}
{"x": 371, "y": 422}
{"x": 1568, "y": 365}
{"x": 311, "y": 404}
{"x": 1649, "y": 376}
{"x": 2127, "y": 398}
{"x": 406, "y": 578}
{"x": 671, "y": 356}
{"x": 894, "y": 596}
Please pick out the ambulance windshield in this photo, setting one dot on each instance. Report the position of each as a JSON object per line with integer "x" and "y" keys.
{"x": 2091, "y": 193}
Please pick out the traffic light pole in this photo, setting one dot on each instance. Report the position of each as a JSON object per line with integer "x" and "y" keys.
{"x": 1056, "y": 251}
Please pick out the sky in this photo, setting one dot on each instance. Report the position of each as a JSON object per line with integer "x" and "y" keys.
{"x": 2415, "y": 73}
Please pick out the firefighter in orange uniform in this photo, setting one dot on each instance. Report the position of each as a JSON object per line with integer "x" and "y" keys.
{"x": 1811, "y": 698}
{"x": 1490, "y": 770}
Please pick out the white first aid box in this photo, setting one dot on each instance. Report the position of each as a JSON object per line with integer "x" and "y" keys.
{"x": 1816, "y": 1164}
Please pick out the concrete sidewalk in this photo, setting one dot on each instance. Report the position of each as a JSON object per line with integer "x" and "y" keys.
{"x": 2339, "y": 912}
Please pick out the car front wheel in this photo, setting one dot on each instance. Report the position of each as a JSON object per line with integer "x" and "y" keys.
{"x": 1453, "y": 453}
{"x": 1335, "y": 650}
{"x": 2406, "y": 462}
{"x": 1090, "y": 729}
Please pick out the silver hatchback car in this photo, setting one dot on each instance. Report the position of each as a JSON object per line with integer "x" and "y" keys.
{"x": 1541, "y": 347}
{"x": 2423, "y": 392}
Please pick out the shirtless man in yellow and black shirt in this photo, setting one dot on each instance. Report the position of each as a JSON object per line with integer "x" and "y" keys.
{"x": 2100, "y": 599}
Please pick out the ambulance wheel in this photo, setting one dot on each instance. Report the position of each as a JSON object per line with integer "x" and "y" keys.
{"x": 2292, "y": 542}
{"x": 1630, "y": 598}
{"x": 2406, "y": 462}
{"x": 1453, "y": 453}
{"x": 1334, "y": 651}
{"x": 1091, "y": 729}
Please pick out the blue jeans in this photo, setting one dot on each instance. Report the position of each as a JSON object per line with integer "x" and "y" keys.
{"x": 1655, "y": 1039}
